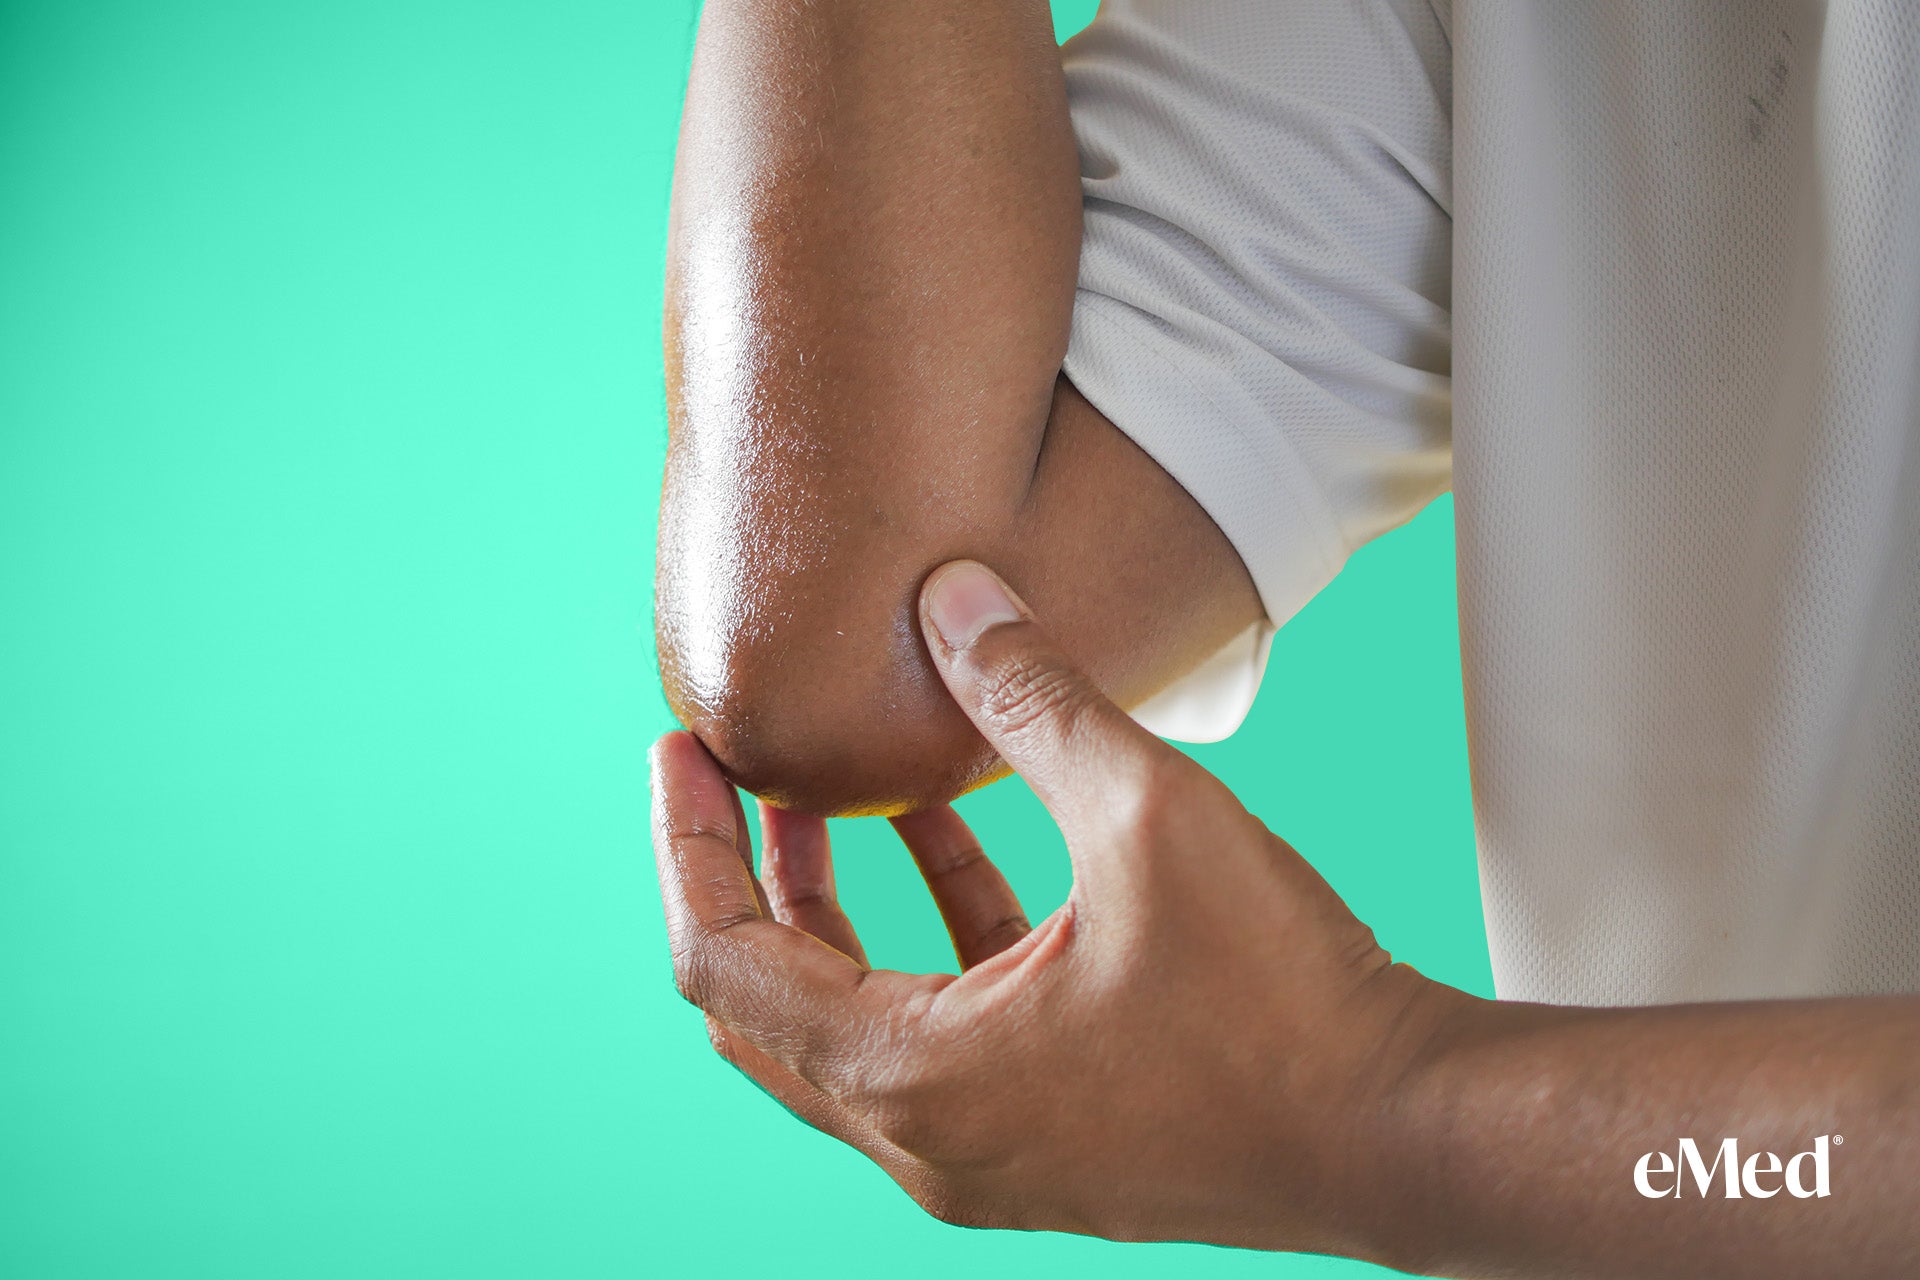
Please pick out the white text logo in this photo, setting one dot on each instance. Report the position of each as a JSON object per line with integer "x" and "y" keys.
{"x": 1762, "y": 1175}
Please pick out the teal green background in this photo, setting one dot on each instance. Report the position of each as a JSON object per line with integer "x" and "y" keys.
{"x": 330, "y": 436}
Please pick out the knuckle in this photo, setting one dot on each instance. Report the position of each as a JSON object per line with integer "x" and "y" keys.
{"x": 1004, "y": 932}
{"x": 956, "y": 861}
{"x": 1022, "y": 692}
{"x": 692, "y": 975}
{"x": 791, "y": 905}
{"x": 805, "y": 897}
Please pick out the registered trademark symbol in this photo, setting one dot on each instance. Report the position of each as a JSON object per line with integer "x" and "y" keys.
{"x": 1837, "y": 1139}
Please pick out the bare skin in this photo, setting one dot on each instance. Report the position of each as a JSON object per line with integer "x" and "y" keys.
{"x": 870, "y": 279}
{"x": 875, "y": 227}
{"x": 1204, "y": 1044}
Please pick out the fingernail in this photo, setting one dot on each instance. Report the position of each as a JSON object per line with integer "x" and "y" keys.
{"x": 965, "y": 599}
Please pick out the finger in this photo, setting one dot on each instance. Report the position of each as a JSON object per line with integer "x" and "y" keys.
{"x": 798, "y": 1000}
{"x": 694, "y": 825}
{"x": 1087, "y": 760}
{"x": 797, "y": 865}
{"x": 743, "y": 844}
{"x": 982, "y": 914}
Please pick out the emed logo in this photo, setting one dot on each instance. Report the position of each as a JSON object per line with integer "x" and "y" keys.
{"x": 1736, "y": 1178}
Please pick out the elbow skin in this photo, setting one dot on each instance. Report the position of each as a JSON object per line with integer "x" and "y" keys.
{"x": 814, "y": 694}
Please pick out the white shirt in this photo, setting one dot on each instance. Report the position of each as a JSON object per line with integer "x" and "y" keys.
{"x": 1641, "y": 282}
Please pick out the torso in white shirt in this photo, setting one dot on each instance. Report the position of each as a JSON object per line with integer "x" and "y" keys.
{"x": 1642, "y": 283}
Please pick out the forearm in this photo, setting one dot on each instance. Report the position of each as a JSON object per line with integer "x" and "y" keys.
{"x": 1513, "y": 1147}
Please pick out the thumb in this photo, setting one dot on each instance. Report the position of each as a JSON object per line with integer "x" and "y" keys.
{"x": 1088, "y": 761}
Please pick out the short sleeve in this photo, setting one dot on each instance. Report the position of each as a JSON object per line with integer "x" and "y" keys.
{"x": 1264, "y": 290}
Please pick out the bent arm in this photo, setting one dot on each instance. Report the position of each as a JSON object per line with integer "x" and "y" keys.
{"x": 871, "y": 261}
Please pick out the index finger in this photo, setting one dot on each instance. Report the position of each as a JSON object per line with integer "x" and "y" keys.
{"x": 794, "y": 997}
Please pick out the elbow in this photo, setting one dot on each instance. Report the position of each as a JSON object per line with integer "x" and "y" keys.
{"x": 816, "y": 694}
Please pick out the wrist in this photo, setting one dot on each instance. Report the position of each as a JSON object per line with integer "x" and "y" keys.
{"x": 1388, "y": 1197}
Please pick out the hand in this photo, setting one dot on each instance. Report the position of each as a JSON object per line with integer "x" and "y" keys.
{"x": 1202, "y": 1043}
